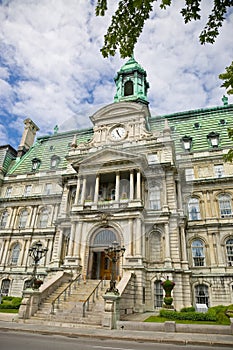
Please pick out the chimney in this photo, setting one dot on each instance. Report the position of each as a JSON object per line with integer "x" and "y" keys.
{"x": 28, "y": 137}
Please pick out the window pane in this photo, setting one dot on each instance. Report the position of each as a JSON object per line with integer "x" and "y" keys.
{"x": 193, "y": 209}
{"x": 189, "y": 174}
{"x": 229, "y": 249}
{"x": 3, "y": 220}
{"x": 225, "y": 205}
{"x": 201, "y": 294}
{"x": 198, "y": 253}
{"x": 218, "y": 170}
{"x": 15, "y": 254}
{"x": 158, "y": 294}
{"x": 23, "y": 219}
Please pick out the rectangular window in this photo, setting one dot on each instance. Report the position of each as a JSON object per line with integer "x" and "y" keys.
{"x": 27, "y": 190}
{"x": 152, "y": 158}
{"x": 48, "y": 188}
{"x": 189, "y": 174}
{"x": 8, "y": 192}
{"x": 218, "y": 170}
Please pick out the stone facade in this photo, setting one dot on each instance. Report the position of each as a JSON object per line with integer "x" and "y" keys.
{"x": 156, "y": 185}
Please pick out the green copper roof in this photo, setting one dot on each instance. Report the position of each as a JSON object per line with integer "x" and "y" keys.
{"x": 130, "y": 66}
{"x": 46, "y": 147}
{"x": 197, "y": 124}
{"x": 131, "y": 83}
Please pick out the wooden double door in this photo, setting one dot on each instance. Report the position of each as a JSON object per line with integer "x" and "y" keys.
{"x": 102, "y": 266}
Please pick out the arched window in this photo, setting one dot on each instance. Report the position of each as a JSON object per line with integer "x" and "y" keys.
{"x": 201, "y": 294}
{"x": 193, "y": 209}
{"x": 229, "y": 251}
{"x": 154, "y": 198}
{"x": 198, "y": 253}
{"x": 5, "y": 286}
{"x": 158, "y": 294}
{"x": 224, "y": 201}
{"x": 15, "y": 254}
{"x": 104, "y": 238}
{"x": 3, "y": 219}
{"x": 128, "y": 88}
{"x": 23, "y": 218}
{"x": 43, "y": 218}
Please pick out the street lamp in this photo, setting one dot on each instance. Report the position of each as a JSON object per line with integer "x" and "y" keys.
{"x": 36, "y": 252}
{"x": 114, "y": 253}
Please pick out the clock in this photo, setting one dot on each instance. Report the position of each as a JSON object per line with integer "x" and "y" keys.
{"x": 118, "y": 133}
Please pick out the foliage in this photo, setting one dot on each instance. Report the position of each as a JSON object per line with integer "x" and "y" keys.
{"x": 229, "y": 156}
{"x": 130, "y": 16}
{"x": 10, "y": 302}
{"x": 188, "y": 309}
{"x": 228, "y": 77}
{"x": 193, "y": 316}
{"x": 168, "y": 300}
{"x": 214, "y": 314}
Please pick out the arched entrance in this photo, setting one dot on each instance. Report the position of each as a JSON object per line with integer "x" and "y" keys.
{"x": 100, "y": 266}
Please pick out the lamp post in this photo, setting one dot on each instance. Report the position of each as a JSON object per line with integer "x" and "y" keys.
{"x": 114, "y": 253}
{"x": 36, "y": 252}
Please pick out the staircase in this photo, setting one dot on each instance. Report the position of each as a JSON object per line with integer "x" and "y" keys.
{"x": 73, "y": 306}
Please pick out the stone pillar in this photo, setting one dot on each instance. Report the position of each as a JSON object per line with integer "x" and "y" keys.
{"x": 131, "y": 236}
{"x": 138, "y": 185}
{"x": 219, "y": 251}
{"x": 30, "y": 303}
{"x": 183, "y": 244}
{"x": 97, "y": 184}
{"x": 131, "y": 188}
{"x": 111, "y": 310}
{"x": 77, "y": 192}
{"x": 71, "y": 241}
{"x": 117, "y": 193}
{"x": 167, "y": 247}
{"x": 83, "y": 194}
{"x": 138, "y": 238}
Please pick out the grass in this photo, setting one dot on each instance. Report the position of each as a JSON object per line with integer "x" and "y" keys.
{"x": 163, "y": 319}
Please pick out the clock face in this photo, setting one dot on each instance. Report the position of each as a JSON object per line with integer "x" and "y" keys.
{"x": 118, "y": 133}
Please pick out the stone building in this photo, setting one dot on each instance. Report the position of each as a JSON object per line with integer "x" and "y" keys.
{"x": 157, "y": 185}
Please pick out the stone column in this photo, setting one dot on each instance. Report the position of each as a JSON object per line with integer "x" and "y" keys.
{"x": 71, "y": 241}
{"x": 131, "y": 237}
{"x": 77, "y": 192}
{"x": 5, "y": 255}
{"x": 83, "y": 194}
{"x": 183, "y": 244}
{"x": 117, "y": 193}
{"x": 97, "y": 184}
{"x": 167, "y": 247}
{"x": 131, "y": 188}
{"x": 138, "y": 238}
{"x": 138, "y": 185}
{"x": 219, "y": 251}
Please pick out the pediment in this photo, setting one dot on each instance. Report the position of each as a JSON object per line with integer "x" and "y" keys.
{"x": 110, "y": 158}
{"x": 119, "y": 111}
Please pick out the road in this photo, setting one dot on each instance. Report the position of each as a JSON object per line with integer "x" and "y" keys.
{"x": 23, "y": 341}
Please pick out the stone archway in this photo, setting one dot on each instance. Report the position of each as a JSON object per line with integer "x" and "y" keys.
{"x": 99, "y": 266}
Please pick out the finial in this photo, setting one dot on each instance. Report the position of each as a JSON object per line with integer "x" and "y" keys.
{"x": 74, "y": 142}
{"x": 55, "y": 130}
{"x": 225, "y": 100}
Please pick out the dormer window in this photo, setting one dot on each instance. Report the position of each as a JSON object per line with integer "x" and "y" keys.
{"x": 35, "y": 164}
{"x": 196, "y": 125}
{"x": 128, "y": 88}
{"x": 222, "y": 121}
{"x": 213, "y": 138}
{"x": 55, "y": 160}
{"x": 187, "y": 142}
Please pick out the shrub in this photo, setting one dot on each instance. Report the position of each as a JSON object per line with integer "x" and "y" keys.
{"x": 191, "y": 316}
{"x": 188, "y": 309}
{"x": 10, "y": 303}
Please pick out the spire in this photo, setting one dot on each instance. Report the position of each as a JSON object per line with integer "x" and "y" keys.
{"x": 131, "y": 82}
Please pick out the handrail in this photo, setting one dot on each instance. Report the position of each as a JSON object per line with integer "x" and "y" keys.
{"x": 68, "y": 288}
{"x": 87, "y": 301}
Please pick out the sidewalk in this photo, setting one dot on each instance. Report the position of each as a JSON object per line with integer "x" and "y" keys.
{"x": 216, "y": 340}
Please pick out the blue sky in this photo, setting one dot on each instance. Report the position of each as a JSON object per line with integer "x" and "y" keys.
{"x": 51, "y": 69}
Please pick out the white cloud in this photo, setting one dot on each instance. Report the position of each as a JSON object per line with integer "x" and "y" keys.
{"x": 50, "y": 61}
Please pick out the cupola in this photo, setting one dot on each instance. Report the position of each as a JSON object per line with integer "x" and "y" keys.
{"x": 131, "y": 83}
